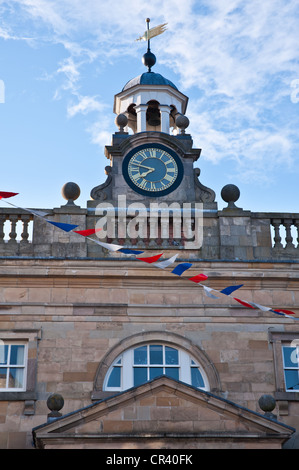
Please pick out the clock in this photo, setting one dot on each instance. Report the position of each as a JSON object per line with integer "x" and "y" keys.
{"x": 153, "y": 170}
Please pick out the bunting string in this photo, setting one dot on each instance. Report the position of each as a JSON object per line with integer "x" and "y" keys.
{"x": 178, "y": 270}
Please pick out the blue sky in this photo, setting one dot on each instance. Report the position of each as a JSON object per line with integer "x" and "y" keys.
{"x": 62, "y": 62}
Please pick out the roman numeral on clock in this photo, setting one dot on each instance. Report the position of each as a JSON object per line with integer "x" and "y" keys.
{"x": 168, "y": 177}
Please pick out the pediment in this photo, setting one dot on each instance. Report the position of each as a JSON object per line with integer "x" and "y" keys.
{"x": 162, "y": 412}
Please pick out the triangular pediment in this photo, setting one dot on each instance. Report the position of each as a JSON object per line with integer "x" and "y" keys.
{"x": 163, "y": 412}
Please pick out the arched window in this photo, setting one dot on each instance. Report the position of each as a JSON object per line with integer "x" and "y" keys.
{"x": 142, "y": 363}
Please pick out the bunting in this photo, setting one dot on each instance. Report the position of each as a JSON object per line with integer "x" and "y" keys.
{"x": 153, "y": 260}
{"x": 150, "y": 259}
{"x": 87, "y": 232}
{"x": 229, "y": 290}
{"x": 167, "y": 262}
{"x": 198, "y": 278}
{"x": 62, "y": 226}
{"x": 242, "y": 302}
{"x": 5, "y": 194}
{"x": 181, "y": 268}
{"x": 208, "y": 292}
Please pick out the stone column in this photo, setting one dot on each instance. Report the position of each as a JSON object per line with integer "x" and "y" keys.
{"x": 165, "y": 111}
{"x": 141, "y": 117}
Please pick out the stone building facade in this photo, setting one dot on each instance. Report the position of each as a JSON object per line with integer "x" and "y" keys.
{"x": 102, "y": 350}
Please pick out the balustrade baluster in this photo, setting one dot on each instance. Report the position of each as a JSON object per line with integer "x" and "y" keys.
{"x": 289, "y": 239}
{"x": 2, "y": 221}
{"x": 296, "y": 223}
{"x": 277, "y": 238}
{"x": 25, "y": 234}
{"x": 13, "y": 233}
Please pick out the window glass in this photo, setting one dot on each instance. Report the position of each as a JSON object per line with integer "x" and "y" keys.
{"x": 196, "y": 378}
{"x": 292, "y": 379}
{"x": 156, "y": 354}
{"x": 17, "y": 355}
{"x": 172, "y": 372}
{"x": 15, "y": 379}
{"x": 3, "y": 377}
{"x": 171, "y": 355}
{"x": 140, "y": 375}
{"x": 155, "y": 372}
{"x": 146, "y": 362}
{"x": 140, "y": 355}
{"x": 290, "y": 357}
{"x": 114, "y": 378}
{"x": 3, "y": 353}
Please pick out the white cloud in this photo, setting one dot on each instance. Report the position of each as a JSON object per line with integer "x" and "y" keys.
{"x": 237, "y": 58}
{"x": 85, "y": 105}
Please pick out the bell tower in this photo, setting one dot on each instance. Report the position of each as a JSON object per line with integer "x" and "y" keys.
{"x": 151, "y": 156}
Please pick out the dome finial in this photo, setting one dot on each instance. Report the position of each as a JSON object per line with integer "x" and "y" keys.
{"x": 149, "y": 59}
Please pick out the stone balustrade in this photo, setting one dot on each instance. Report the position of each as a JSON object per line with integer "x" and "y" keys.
{"x": 229, "y": 234}
{"x": 286, "y": 231}
{"x": 14, "y": 225}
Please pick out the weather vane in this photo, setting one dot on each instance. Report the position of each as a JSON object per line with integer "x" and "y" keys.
{"x": 151, "y": 33}
{"x": 149, "y": 59}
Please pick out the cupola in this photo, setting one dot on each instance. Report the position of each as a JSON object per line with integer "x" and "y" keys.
{"x": 150, "y": 101}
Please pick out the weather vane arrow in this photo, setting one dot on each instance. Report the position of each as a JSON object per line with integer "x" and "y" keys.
{"x": 152, "y": 32}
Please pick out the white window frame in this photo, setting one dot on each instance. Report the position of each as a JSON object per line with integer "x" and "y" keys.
{"x": 127, "y": 367}
{"x": 15, "y": 366}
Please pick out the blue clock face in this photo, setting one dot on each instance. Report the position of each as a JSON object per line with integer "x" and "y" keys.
{"x": 153, "y": 170}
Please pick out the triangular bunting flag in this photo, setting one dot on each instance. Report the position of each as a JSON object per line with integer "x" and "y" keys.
{"x": 62, "y": 226}
{"x": 198, "y": 278}
{"x": 287, "y": 312}
{"x": 260, "y": 307}
{"x": 230, "y": 289}
{"x": 108, "y": 246}
{"x": 277, "y": 313}
{"x": 127, "y": 251}
{"x": 6, "y": 194}
{"x": 245, "y": 304}
{"x": 167, "y": 262}
{"x": 87, "y": 232}
{"x": 180, "y": 268}
{"x": 208, "y": 292}
{"x": 151, "y": 259}
{"x": 37, "y": 213}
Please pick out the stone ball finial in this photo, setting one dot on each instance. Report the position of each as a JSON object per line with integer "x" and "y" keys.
{"x": 55, "y": 403}
{"x": 230, "y": 194}
{"x": 149, "y": 60}
{"x": 70, "y": 191}
{"x": 121, "y": 121}
{"x": 267, "y": 403}
{"x": 182, "y": 122}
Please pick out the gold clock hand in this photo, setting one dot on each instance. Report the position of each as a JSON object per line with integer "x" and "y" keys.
{"x": 149, "y": 171}
{"x": 143, "y": 166}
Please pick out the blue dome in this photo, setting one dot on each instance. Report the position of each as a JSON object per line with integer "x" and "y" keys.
{"x": 148, "y": 78}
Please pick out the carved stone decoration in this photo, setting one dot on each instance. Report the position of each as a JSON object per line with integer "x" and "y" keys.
{"x": 103, "y": 191}
{"x": 202, "y": 193}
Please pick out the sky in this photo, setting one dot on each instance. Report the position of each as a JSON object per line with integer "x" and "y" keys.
{"x": 62, "y": 62}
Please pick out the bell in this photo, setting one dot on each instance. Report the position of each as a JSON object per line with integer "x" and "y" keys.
{"x": 153, "y": 117}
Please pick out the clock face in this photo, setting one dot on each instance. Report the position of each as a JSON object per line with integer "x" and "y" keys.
{"x": 153, "y": 170}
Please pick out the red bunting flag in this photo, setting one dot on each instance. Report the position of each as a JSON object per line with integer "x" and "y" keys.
{"x": 198, "y": 278}
{"x": 287, "y": 312}
{"x": 5, "y": 194}
{"x": 151, "y": 259}
{"x": 87, "y": 232}
{"x": 243, "y": 303}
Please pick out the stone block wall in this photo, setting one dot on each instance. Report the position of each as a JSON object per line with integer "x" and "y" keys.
{"x": 74, "y": 312}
